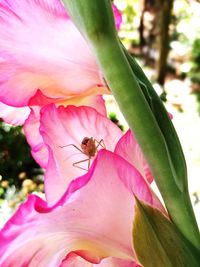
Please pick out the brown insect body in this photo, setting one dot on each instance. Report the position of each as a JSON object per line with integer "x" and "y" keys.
{"x": 89, "y": 147}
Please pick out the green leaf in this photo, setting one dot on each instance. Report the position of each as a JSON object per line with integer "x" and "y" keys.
{"x": 157, "y": 241}
{"x": 164, "y": 123}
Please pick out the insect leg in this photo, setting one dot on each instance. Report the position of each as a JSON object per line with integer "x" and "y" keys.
{"x": 78, "y": 162}
{"x": 100, "y": 143}
{"x": 89, "y": 163}
{"x": 73, "y": 146}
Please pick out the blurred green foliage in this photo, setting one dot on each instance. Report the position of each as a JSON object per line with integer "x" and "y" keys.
{"x": 114, "y": 119}
{"x": 184, "y": 30}
{"x": 16, "y": 162}
{"x": 195, "y": 57}
{"x": 196, "y": 53}
{"x": 128, "y": 32}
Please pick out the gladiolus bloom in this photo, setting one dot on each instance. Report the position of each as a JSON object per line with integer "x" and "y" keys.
{"x": 61, "y": 132}
{"x": 57, "y": 147}
{"x": 32, "y": 124}
{"x": 93, "y": 220}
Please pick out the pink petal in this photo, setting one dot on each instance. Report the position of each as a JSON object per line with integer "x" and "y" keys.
{"x": 12, "y": 115}
{"x": 94, "y": 218}
{"x": 76, "y": 261}
{"x": 97, "y": 102}
{"x": 48, "y": 53}
{"x": 118, "y": 16}
{"x": 39, "y": 150}
{"x": 31, "y": 127}
{"x": 129, "y": 149}
{"x": 114, "y": 262}
{"x": 62, "y": 128}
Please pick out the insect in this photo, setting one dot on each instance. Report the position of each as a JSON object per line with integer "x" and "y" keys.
{"x": 89, "y": 147}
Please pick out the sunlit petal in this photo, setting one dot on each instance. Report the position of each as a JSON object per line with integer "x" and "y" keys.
{"x": 13, "y": 115}
{"x": 63, "y": 130}
{"x": 130, "y": 150}
{"x": 93, "y": 219}
{"x": 32, "y": 124}
{"x": 40, "y": 48}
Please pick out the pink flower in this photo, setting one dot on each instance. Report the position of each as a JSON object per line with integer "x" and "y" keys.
{"x": 55, "y": 65}
{"x": 57, "y": 144}
{"x": 32, "y": 124}
{"x": 93, "y": 220}
{"x": 61, "y": 129}
{"x": 40, "y": 48}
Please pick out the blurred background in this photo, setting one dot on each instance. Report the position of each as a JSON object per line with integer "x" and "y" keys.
{"x": 164, "y": 36}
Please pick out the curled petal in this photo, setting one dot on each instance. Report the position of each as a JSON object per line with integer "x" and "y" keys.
{"x": 39, "y": 150}
{"x": 13, "y": 115}
{"x": 97, "y": 102}
{"x": 76, "y": 261}
{"x": 130, "y": 150}
{"x": 93, "y": 219}
{"x": 114, "y": 262}
{"x": 32, "y": 125}
{"x": 63, "y": 130}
